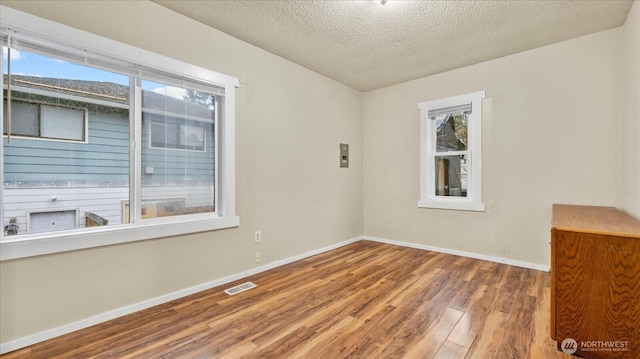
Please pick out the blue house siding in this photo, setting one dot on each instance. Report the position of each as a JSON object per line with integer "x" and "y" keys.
{"x": 104, "y": 159}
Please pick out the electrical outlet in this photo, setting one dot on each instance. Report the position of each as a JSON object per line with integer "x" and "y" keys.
{"x": 257, "y": 237}
{"x": 256, "y": 258}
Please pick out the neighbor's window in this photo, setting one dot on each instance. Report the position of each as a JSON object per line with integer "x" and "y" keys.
{"x": 450, "y": 169}
{"x": 45, "y": 121}
{"x": 95, "y": 141}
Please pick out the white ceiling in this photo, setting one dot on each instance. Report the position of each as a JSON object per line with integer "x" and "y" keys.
{"x": 367, "y": 45}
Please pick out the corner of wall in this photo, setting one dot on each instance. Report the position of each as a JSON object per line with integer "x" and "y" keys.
{"x": 630, "y": 146}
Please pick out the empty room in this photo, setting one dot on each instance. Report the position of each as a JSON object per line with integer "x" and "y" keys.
{"x": 320, "y": 179}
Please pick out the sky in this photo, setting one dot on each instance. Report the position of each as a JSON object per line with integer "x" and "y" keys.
{"x": 30, "y": 64}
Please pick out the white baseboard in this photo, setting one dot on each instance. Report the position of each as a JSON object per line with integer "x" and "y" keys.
{"x": 282, "y": 262}
{"x": 484, "y": 257}
{"x": 103, "y": 317}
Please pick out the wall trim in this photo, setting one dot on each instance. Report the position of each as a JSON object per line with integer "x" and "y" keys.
{"x": 128, "y": 309}
{"x": 456, "y": 252}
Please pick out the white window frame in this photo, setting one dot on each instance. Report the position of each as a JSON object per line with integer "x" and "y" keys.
{"x": 70, "y": 39}
{"x": 428, "y": 132}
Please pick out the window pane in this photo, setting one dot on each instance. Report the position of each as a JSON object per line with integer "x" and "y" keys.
{"x": 54, "y": 185}
{"x": 25, "y": 118}
{"x": 178, "y": 151}
{"x": 451, "y": 132}
{"x": 451, "y": 176}
{"x": 62, "y": 123}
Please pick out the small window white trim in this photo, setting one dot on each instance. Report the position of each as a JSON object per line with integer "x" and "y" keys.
{"x": 428, "y": 197}
{"x": 60, "y": 241}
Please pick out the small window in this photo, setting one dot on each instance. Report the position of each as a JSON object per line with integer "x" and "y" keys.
{"x": 450, "y": 170}
{"x": 62, "y": 123}
{"x": 46, "y": 121}
{"x": 178, "y": 135}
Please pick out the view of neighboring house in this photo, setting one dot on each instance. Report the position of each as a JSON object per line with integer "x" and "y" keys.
{"x": 451, "y": 178}
{"x": 67, "y": 154}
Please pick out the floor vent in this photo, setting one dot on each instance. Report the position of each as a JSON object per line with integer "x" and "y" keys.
{"x": 240, "y": 288}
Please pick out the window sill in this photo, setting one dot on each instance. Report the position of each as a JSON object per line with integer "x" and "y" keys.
{"x": 452, "y": 204}
{"x": 31, "y": 245}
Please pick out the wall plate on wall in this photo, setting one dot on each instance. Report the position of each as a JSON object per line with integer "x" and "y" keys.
{"x": 344, "y": 155}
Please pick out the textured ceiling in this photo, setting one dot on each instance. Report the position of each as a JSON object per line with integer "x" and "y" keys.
{"x": 367, "y": 45}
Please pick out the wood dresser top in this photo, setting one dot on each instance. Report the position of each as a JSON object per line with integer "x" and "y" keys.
{"x": 592, "y": 219}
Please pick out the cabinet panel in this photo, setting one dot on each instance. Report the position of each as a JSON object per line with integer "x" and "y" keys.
{"x": 596, "y": 288}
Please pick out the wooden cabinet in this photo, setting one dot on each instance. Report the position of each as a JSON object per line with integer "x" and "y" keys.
{"x": 595, "y": 281}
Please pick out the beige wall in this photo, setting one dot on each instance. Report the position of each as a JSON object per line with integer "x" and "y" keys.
{"x": 631, "y": 113}
{"x": 290, "y": 122}
{"x": 551, "y": 134}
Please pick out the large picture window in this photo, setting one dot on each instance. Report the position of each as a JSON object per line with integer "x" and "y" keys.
{"x": 126, "y": 140}
{"x": 450, "y": 157}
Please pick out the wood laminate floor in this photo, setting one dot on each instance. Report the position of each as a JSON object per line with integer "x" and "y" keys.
{"x": 364, "y": 300}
